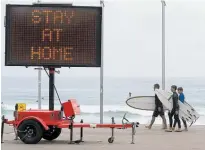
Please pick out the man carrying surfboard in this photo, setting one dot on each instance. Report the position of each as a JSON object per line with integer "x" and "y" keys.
{"x": 181, "y": 98}
{"x": 158, "y": 110}
{"x": 175, "y": 111}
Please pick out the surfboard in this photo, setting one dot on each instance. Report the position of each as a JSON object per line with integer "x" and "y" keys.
{"x": 166, "y": 99}
{"x": 185, "y": 107}
{"x": 191, "y": 109}
{"x": 186, "y": 111}
{"x": 142, "y": 102}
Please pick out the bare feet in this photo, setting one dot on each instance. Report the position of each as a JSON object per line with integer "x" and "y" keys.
{"x": 169, "y": 130}
{"x": 178, "y": 130}
{"x": 148, "y": 127}
{"x": 185, "y": 129}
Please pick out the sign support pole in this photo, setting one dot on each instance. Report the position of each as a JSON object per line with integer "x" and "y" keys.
{"x": 51, "y": 88}
{"x": 163, "y": 44}
{"x": 102, "y": 65}
{"x": 39, "y": 87}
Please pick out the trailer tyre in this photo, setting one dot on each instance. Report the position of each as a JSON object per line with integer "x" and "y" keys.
{"x": 52, "y": 133}
{"x": 30, "y": 131}
{"x": 111, "y": 139}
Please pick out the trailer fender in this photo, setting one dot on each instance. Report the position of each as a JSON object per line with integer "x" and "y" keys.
{"x": 39, "y": 120}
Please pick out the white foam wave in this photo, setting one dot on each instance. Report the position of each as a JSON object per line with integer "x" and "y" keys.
{"x": 95, "y": 109}
{"x": 92, "y": 109}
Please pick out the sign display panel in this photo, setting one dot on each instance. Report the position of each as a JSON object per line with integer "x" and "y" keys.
{"x": 53, "y": 35}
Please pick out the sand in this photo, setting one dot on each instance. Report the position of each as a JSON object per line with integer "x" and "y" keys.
{"x": 145, "y": 139}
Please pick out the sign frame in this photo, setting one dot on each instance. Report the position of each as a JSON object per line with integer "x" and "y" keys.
{"x": 8, "y": 46}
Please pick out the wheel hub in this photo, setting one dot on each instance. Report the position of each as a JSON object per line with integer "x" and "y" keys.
{"x": 30, "y": 131}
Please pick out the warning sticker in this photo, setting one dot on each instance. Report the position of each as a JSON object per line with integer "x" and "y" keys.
{"x": 21, "y": 106}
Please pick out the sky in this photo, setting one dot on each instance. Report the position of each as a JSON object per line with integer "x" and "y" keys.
{"x": 133, "y": 39}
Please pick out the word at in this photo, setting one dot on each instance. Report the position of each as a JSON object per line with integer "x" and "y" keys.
{"x": 48, "y": 34}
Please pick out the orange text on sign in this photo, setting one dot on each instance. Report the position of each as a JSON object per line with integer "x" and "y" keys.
{"x": 52, "y": 16}
{"x": 48, "y": 53}
{"x": 48, "y": 34}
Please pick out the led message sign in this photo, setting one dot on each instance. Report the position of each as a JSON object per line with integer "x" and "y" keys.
{"x": 53, "y": 35}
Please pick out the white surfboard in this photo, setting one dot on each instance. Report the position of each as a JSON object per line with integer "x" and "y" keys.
{"x": 142, "y": 102}
{"x": 186, "y": 111}
{"x": 194, "y": 113}
{"x": 185, "y": 107}
{"x": 166, "y": 99}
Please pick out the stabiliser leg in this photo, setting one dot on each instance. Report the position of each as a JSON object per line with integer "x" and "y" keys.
{"x": 81, "y": 132}
{"x": 71, "y": 132}
{"x": 81, "y": 135}
{"x": 133, "y": 132}
{"x": 16, "y": 134}
{"x": 134, "y": 125}
{"x": 15, "y": 130}
{"x": 2, "y": 128}
{"x": 111, "y": 139}
{"x": 113, "y": 122}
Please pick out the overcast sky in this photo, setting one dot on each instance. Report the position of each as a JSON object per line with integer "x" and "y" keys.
{"x": 132, "y": 39}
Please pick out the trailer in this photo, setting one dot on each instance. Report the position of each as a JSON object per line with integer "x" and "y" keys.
{"x": 32, "y": 125}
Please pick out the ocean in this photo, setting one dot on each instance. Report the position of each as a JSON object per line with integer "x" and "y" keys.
{"x": 86, "y": 90}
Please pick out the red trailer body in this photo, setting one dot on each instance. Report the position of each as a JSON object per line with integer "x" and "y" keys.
{"x": 47, "y": 124}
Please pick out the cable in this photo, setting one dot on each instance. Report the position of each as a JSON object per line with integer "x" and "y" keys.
{"x": 54, "y": 87}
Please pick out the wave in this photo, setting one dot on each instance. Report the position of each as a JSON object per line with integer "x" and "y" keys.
{"x": 91, "y": 113}
{"x": 90, "y": 109}
{"x": 108, "y": 110}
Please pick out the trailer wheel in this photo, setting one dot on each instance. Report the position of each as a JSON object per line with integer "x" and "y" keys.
{"x": 111, "y": 139}
{"x": 30, "y": 132}
{"x": 52, "y": 133}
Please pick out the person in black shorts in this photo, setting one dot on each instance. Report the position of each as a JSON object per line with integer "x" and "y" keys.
{"x": 158, "y": 110}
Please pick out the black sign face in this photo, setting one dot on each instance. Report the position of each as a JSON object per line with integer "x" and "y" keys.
{"x": 53, "y": 35}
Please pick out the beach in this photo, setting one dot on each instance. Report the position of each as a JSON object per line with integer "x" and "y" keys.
{"x": 145, "y": 139}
